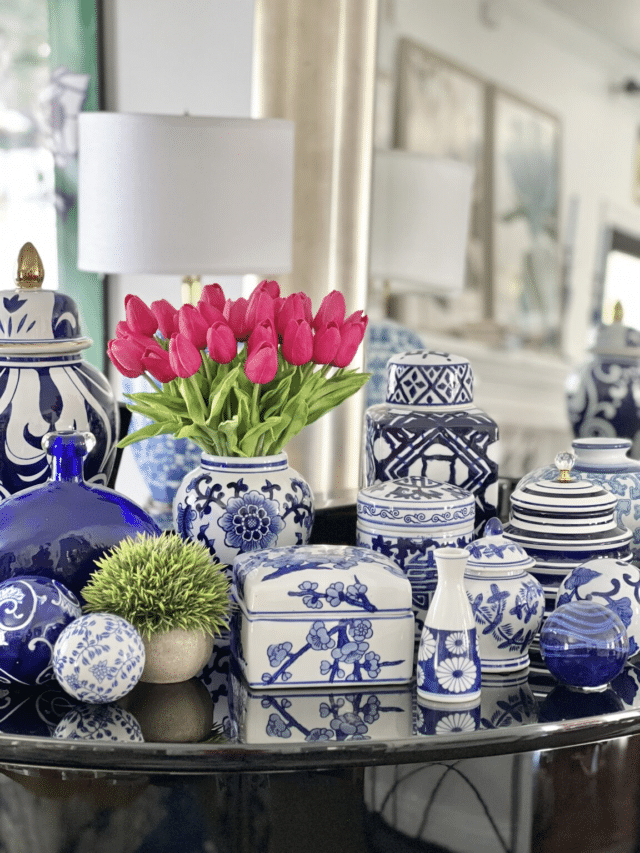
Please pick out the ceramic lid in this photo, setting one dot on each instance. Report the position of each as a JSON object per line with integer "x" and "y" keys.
{"x": 565, "y": 513}
{"x": 494, "y": 553}
{"x": 616, "y": 339}
{"x": 416, "y": 503}
{"x": 430, "y": 380}
{"x": 310, "y": 580}
{"x": 32, "y": 319}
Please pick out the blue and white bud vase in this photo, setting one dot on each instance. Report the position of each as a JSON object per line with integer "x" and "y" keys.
{"x": 448, "y": 667}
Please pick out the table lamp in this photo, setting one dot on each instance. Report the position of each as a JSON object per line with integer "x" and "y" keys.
{"x": 185, "y": 195}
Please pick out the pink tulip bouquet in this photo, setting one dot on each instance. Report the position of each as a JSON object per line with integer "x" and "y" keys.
{"x": 238, "y": 377}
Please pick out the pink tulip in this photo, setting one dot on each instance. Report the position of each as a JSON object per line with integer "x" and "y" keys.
{"x": 325, "y": 343}
{"x": 126, "y": 354}
{"x": 184, "y": 356}
{"x": 262, "y": 365}
{"x": 193, "y": 326}
{"x": 332, "y": 309}
{"x": 263, "y": 332}
{"x": 157, "y": 363}
{"x": 235, "y": 313}
{"x": 297, "y": 342}
{"x": 351, "y": 335}
{"x": 261, "y": 307}
{"x": 210, "y": 314}
{"x": 213, "y": 295}
{"x": 167, "y": 317}
{"x": 140, "y": 318}
{"x": 308, "y": 308}
{"x": 292, "y": 308}
{"x": 270, "y": 287}
{"x": 221, "y": 343}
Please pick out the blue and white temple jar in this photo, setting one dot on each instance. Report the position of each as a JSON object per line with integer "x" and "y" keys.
{"x": 407, "y": 520}
{"x": 603, "y": 396}
{"x": 430, "y": 427}
{"x": 45, "y": 385}
{"x": 237, "y": 505}
{"x": 507, "y": 602}
{"x": 604, "y": 460}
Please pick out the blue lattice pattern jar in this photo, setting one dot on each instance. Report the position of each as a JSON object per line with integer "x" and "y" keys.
{"x": 407, "y": 520}
{"x": 430, "y": 427}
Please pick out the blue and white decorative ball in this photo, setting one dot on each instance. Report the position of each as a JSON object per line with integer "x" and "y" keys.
{"x": 99, "y": 722}
{"x": 99, "y": 658}
{"x": 33, "y": 613}
{"x": 584, "y": 644}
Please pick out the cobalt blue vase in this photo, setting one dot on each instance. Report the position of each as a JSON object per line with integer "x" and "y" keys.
{"x": 58, "y": 530}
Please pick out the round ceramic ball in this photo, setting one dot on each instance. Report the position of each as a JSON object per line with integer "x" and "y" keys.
{"x": 33, "y": 613}
{"x": 99, "y": 722}
{"x": 99, "y": 658}
{"x": 584, "y": 644}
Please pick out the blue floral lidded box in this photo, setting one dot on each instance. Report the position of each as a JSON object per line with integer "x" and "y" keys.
{"x": 321, "y": 614}
{"x": 407, "y": 520}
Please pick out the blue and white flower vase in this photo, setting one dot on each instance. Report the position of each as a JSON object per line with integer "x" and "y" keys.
{"x": 444, "y": 719}
{"x": 604, "y": 460}
{"x": 33, "y": 613}
{"x": 448, "y": 667}
{"x": 614, "y": 583}
{"x": 58, "y": 530}
{"x": 430, "y": 427}
{"x": 507, "y": 602}
{"x": 238, "y": 505}
{"x": 584, "y": 644}
{"x": 45, "y": 384}
{"x": 603, "y": 396}
{"x": 407, "y": 520}
{"x": 318, "y": 615}
{"x": 98, "y": 658}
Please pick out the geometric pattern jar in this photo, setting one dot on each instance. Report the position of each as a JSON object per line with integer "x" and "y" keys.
{"x": 429, "y": 427}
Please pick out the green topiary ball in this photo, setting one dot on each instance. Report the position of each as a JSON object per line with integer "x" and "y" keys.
{"x": 159, "y": 583}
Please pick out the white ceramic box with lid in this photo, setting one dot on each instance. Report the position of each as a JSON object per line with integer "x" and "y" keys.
{"x": 321, "y": 614}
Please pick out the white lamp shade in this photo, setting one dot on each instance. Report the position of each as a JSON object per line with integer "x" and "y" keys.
{"x": 421, "y": 209}
{"x": 184, "y": 195}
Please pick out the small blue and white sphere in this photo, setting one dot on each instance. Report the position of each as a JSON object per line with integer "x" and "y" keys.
{"x": 99, "y": 722}
{"x": 584, "y": 644}
{"x": 99, "y": 658}
{"x": 33, "y": 613}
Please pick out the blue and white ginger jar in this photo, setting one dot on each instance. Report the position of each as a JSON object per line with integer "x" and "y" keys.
{"x": 604, "y": 460}
{"x": 237, "y": 505}
{"x": 613, "y": 583}
{"x": 45, "y": 384}
{"x": 507, "y": 602}
{"x": 430, "y": 427}
{"x": 507, "y": 700}
{"x": 314, "y": 615}
{"x": 407, "y": 520}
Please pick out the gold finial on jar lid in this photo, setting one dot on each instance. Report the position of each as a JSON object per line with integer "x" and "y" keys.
{"x": 618, "y": 312}
{"x": 564, "y": 462}
{"x": 30, "y": 268}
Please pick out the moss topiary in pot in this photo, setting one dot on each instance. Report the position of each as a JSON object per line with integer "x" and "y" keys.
{"x": 170, "y": 590}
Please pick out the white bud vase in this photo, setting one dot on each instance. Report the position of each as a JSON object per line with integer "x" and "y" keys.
{"x": 448, "y": 659}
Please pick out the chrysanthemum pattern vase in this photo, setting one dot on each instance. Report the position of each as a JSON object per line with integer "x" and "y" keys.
{"x": 430, "y": 427}
{"x": 237, "y": 505}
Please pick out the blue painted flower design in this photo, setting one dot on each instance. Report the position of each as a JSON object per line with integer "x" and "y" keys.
{"x": 251, "y": 522}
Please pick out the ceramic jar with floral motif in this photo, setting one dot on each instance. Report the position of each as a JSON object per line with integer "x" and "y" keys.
{"x": 238, "y": 505}
{"x": 507, "y": 602}
{"x": 45, "y": 384}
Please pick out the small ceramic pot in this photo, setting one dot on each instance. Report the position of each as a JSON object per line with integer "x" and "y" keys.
{"x": 430, "y": 427}
{"x": 605, "y": 461}
{"x": 236, "y": 505}
{"x": 507, "y": 602}
{"x": 584, "y": 644}
{"x": 314, "y": 615}
{"x": 175, "y": 655}
{"x": 613, "y": 583}
{"x": 407, "y": 520}
{"x": 181, "y": 712}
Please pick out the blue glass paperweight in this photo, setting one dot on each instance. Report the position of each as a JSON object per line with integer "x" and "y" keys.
{"x": 584, "y": 644}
